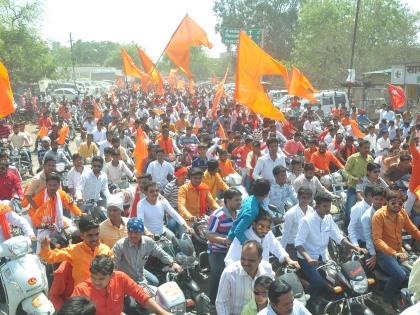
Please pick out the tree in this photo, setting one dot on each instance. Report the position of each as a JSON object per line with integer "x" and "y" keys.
{"x": 277, "y": 19}
{"x": 386, "y": 34}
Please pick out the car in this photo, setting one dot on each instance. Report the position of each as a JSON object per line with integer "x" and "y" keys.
{"x": 276, "y": 95}
{"x": 65, "y": 94}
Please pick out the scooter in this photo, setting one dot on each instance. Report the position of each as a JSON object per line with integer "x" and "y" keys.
{"x": 24, "y": 286}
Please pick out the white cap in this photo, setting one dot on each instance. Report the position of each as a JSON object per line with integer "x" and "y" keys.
{"x": 46, "y": 138}
{"x": 115, "y": 200}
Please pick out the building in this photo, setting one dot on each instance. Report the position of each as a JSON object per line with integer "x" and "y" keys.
{"x": 408, "y": 76}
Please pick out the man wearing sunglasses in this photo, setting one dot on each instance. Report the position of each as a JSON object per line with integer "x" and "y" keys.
{"x": 387, "y": 225}
{"x": 260, "y": 231}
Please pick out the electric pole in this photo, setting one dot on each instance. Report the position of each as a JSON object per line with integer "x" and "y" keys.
{"x": 72, "y": 59}
{"x": 356, "y": 20}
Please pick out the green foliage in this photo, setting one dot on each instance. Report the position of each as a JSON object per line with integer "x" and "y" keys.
{"x": 277, "y": 19}
{"x": 386, "y": 35}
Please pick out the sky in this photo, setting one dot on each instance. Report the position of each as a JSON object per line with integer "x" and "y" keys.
{"x": 149, "y": 23}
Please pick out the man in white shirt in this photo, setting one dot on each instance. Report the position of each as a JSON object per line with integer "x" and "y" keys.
{"x": 260, "y": 231}
{"x": 116, "y": 169}
{"x": 75, "y": 174}
{"x": 154, "y": 121}
{"x": 282, "y": 301}
{"x": 371, "y": 137}
{"x": 107, "y": 143}
{"x": 383, "y": 143}
{"x": 309, "y": 180}
{"x": 265, "y": 164}
{"x": 311, "y": 242}
{"x": 236, "y": 287}
{"x": 99, "y": 134}
{"x": 142, "y": 112}
{"x": 311, "y": 126}
{"x": 93, "y": 183}
{"x": 89, "y": 124}
{"x": 292, "y": 219}
{"x": 152, "y": 210}
{"x": 355, "y": 229}
{"x": 160, "y": 169}
{"x": 12, "y": 218}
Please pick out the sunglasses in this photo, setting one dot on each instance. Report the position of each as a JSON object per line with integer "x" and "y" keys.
{"x": 264, "y": 293}
{"x": 264, "y": 227}
{"x": 376, "y": 171}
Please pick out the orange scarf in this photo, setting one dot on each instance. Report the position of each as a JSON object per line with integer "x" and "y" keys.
{"x": 202, "y": 191}
{"x": 166, "y": 145}
{"x": 3, "y": 221}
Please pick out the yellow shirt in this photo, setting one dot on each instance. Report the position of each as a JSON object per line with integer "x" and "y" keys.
{"x": 189, "y": 201}
{"x": 181, "y": 124}
{"x": 88, "y": 152}
{"x": 79, "y": 256}
{"x": 215, "y": 183}
{"x": 109, "y": 234}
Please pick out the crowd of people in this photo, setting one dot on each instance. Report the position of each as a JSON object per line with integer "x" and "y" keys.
{"x": 181, "y": 178}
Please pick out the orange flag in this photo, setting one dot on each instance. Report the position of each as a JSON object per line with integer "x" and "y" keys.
{"x": 141, "y": 151}
{"x": 6, "y": 95}
{"x": 43, "y": 132}
{"x": 219, "y": 93}
{"x": 300, "y": 86}
{"x": 188, "y": 34}
{"x": 97, "y": 113}
{"x": 130, "y": 68}
{"x": 354, "y": 127}
{"x": 62, "y": 134}
{"x": 252, "y": 63}
{"x": 180, "y": 85}
{"x": 196, "y": 129}
{"x": 151, "y": 70}
{"x": 220, "y": 130}
{"x": 172, "y": 78}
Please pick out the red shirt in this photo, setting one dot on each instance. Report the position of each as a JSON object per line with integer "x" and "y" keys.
{"x": 110, "y": 301}
{"x": 242, "y": 151}
{"x": 45, "y": 121}
{"x": 415, "y": 168}
{"x": 62, "y": 285}
{"x": 292, "y": 148}
{"x": 10, "y": 185}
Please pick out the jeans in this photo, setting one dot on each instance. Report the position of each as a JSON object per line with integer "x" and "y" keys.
{"x": 397, "y": 274}
{"x": 150, "y": 278}
{"x": 350, "y": 202}
{"x": 175, "y": 227}
{"x": 217, "y": 264}
{"x": 317, "y": 283}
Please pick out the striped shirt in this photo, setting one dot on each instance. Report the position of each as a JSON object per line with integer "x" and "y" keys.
{"x": 171, "y": 194}
{"x": 220, "y": 222}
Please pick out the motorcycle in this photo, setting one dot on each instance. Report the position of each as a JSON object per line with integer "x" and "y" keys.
{"x": 235, "y": 181}
{"x": 63, "y": 172}
{"x": 347, "y": 288}
{"x": 19, "y": 160}
{"x": 95, "y": 209}
{"x": 187, "y": 259}
{"x": 24, "y": 286}
{"x": 288, "y": 275}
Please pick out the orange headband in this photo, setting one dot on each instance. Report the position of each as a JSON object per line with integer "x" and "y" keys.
{"x": 181, "y": 171}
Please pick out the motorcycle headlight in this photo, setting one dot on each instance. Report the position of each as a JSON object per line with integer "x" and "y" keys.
{"x": 360, "y": 286}
{"x": 20, "y": 248}
{"x": 179, "y": 309}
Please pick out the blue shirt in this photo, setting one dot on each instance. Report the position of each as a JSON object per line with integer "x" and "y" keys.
{"x": 247, "y": 214}
{"x": 199, "y": 162}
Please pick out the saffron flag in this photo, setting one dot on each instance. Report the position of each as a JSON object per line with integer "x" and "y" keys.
{"x": 219, "y": 93}
{"x": 141, "y": 151}
{"x": 172, "y": 78}
{"x": 397, "y": 95}
{"x": 43, "y": 132}
{"x": 62, "y": 134}
{"x": 220, "y": 130}
{"x": 188, "y": 34}
{"x": 151, "y": 70}
{"x": 252, "y": 63}
{"x": 97, "y": 113}
{"x": 213, "y": 79}
{"x": 300, "y": 86}
{"x": 130, "y": 68}
{"x": 6, "y": 95}
{"x": 417, "y": 192}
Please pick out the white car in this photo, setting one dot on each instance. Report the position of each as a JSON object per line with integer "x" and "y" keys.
{"x": 65, "y": 94}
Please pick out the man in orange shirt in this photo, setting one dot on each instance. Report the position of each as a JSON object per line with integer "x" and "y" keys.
{"x": 415, "y": 173}
{"x": 322, "y": 159}
{"x": 79, "y": 255}
{"x": 311, "y": 150}
{"x": 387, "y": 225}
{"x": 107, "y": 288}
{"x": 225, "y": 164}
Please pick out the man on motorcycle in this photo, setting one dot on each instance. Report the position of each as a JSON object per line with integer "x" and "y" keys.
{"x": 213, "y": 180}
{"x": 387, "y": 225}
{"x": 152, "y": 210}
{"x": 116, "y": 169}
{"x": 294, "y": 146}
{"x": 323, "y": 158}
{"x": 260, "y": 231}
{"x": 10, "y": 183}
{"x": 218, "y": 226}
{"x": 311, "y": 242}
{"x": 94, "y": 183}
{"x": 160, "y": 169}
{"x": 225, "y": 165}
{"x": 281, "y": 192}
{"x": 115, "y": 227}
{"x": 88, "y": 149}
{"x": 292, "y": 219}
{"x": 237, "y": 280}
{"x": 58, "y": 155}
{"x": 131, "y": 253}
{"x": 266, "y": 163}
{"x": 75, "y": 174}
{"x": 19, "y": 141}
{"x": 139, "y": 193}
{"x": 194, "y": 198}
{"x": 79, "y": 255}
{"x": 107, "y": 288}
{"x": 9, "y": 217}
